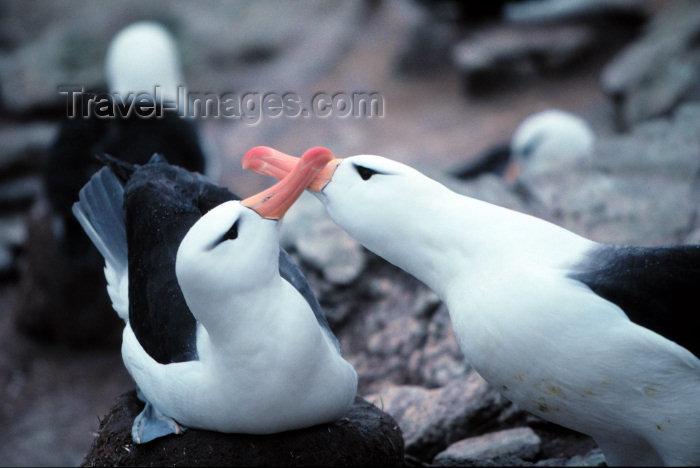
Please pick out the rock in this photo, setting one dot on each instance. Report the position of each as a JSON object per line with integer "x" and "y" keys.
{"x": 433, "y": 419}
{"x": 367, "y": 436}
{"x": 427, "y": 47}
{"x": 651, "y": 76}
{"x": 439, "y": 360}
{"x": 521, "y": 442}
{"x": 12, "y": 238}
{"x": 501, "y": 54}
{"x": 13, "y": 231}
{"x": 20, "y": 192}
{"x": 593, "y": 458}
{"x": 381, "y": 343}
{"x": 639, "y": 188}
{"x": 566, "y": 10}
{"x": 620, "y": 210}
{"x": 396, "y": 330}
{"x": 24, "y": 146}
{"x": 693, "y": 237}
{"x": 309, "y": 231}
{"x": 469, "y": 12}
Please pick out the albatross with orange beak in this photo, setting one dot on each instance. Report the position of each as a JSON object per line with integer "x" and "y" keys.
{"x": 222, "y": 331}
{"x": 599, "y": 338}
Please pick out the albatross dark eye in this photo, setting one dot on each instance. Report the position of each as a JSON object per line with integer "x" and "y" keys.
{"x": 365, "y": 172}
{"x": 231, "y": 234}
{"x": 532, "y": 144}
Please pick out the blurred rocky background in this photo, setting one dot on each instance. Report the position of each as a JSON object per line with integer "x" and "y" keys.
{"x": 457, "y": 77}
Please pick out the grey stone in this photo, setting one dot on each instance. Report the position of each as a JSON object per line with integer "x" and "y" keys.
{"x": 433, "y": 419}
{"x": 620, "y": 210}
{"x": 503, "y": 52}
{"x": 13, "y": 235}
{"x": 366, "y": 436}
{"x": 639, "y": 188}
{"x": 19, "y": 192}
{"x": 567, "y": 10}
{"x": 693, "y": 237}
{"x": 308, "y": 230}
{"x": 24, "y": 145}
{"x": 13, "y": 231}
{"x": 593, "y": 458}
{"x": 439, "y": 360}
{"x": 427, "y": 49}
{"x": 650, "y": 76}
{"x": 397, "y": 331}
{"x": 521, "y": 442}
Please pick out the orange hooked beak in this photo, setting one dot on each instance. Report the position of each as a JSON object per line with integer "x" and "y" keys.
{"x": 270, "y": 162}
{"x": 274, "y": 202}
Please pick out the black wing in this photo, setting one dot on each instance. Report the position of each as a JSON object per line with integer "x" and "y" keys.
{"x": 493, "y": 160}
{"x": 657, "y": 287}
{"x": 162, "y": 203}
{"x": 290, "y": 272}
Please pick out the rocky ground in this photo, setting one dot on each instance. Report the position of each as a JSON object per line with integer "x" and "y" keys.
{"x": 451, "y": 88}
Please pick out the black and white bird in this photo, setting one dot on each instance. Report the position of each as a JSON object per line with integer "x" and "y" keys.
{"x": 222, "y": 331}
{"x": 142, "y": 58}
{"x": 543, "y": 139}
{"x": 599, "y": 338}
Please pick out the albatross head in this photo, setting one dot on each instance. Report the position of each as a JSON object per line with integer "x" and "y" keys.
{"x": 548, "y": 137}
{"x": 230, "y": 248}
{"x": 364, "y": 194}
{"x": 233, "y": 249}
{"x": 142, "y": 56}
{"x": 390, "y": 208}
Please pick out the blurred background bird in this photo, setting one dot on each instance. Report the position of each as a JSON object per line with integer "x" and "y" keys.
{"x": 543, "y": 139}
{"x": 63, "y": 297}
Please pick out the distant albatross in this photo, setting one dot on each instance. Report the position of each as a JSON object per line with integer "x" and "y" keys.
{"x": 219, "y": 333}
{"x": 543, "y": 139}
{"x": 602, "y": 339}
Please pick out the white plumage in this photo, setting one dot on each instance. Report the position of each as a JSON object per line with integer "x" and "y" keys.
{"x": 523, "y": 316}
{"x": 261, "y": 359}
{"x": 549, "y": 137}
{"x": 264, "y": 363}
{"x": 143, "y": 58}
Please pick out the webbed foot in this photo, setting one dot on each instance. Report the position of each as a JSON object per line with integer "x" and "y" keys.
{"x": 151, "y": 424}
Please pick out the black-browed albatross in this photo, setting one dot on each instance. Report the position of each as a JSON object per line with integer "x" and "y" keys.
{"x": 218, "y": 334}
{"x": 599, "y": 338}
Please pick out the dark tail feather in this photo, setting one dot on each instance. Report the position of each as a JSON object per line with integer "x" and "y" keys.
{"x": 121, "y": 169}
{"x": 99, "y": 211}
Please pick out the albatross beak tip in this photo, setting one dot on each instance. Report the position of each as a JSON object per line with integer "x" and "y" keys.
{"x": 274, "y": 202}
{"x": 254, "y": 157}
